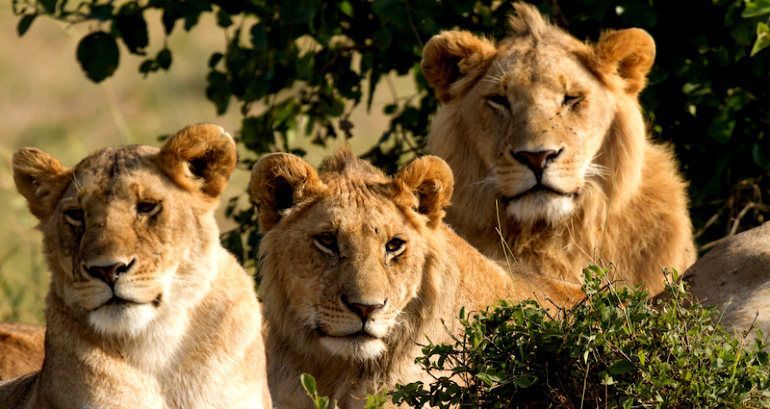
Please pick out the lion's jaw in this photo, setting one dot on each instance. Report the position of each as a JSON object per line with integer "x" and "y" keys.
{"x": 110, "y": 231}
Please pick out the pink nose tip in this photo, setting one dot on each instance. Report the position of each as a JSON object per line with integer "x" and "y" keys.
{"x": 536, "y": 161}
{"x": 362, "y": 310}
{"x": 109, "y": 274}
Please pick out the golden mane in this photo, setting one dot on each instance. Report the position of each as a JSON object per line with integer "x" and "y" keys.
{"x": 543, "y": 132}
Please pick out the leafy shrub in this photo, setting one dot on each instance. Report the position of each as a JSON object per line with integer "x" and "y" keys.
{"x": 614, "y": 349}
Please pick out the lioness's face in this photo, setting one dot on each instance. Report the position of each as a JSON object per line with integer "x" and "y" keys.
{"x": 117, "y": 237}
{"x": 127, "y": 232}
{"x": 542, "y": 118}
{"x": 356, "y": 265}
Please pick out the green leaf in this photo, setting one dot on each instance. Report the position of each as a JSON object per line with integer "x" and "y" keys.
{"x": 148, "y": 66}
{"x": 321, "y": 402}
{"x": 223, "y": 19}
{"x": 308, "y": 382}
{"x": 489, "y": 379}
{"x": 132, "y": 27}
{"x": 214, "y": 60}
{"x": 346, "y": 8}
{"x": 525, "y": 381}
{"x": 98, "y": 55}
{"x": 48, "y": 5}
{"x": 164, "y": 58}
{"x": 756, "y": 8}
{"x": 763, "y": 38}
{"x": 620, "y": 367}
{"x": 24, "y": 23}
{"x": 218, "y": 90}
{"x": 258, "y": 37}
{"x": 101, "y": 13}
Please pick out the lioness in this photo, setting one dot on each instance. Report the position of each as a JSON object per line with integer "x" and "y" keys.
{"x": 21, "y": 349}
{"x": 357, "y": 268}
{"x": 550, "y": 129}
{"x": 146, "y": 309}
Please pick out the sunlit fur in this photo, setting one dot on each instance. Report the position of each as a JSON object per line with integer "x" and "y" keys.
{"x": 426, "y": 280}
{"x": 21, "y": 349}
{"x": 181, "y": 326}
{"x": 566, "y": 96}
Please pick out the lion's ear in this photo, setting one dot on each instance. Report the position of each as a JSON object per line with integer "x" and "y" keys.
{"x": 430, "y": 181}
{"x": 630, "y": 53}
{"x": 41, "y": 179}
{"x": 200, "y": 158}
{"x": 453, "y": 60}
{"x": 278, "y": 182}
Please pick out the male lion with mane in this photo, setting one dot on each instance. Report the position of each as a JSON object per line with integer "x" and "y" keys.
{"x": 549, "y": 129}
{"x": 358, "y": 268}
{"x": 146, "y": 309}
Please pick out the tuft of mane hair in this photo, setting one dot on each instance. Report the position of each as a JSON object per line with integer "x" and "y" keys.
{"x": 528, "y": 20}
{"x": 343, "y": 161}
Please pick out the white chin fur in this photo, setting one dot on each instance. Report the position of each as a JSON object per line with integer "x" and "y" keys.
{"x": 537, "y": 206}
{"x": 122, "y": 319}
{"x": 357, "y": 349}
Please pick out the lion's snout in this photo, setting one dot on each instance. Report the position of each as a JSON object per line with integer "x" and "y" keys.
{"x": 363, "y": 310}
{"x": 109, "y": 273}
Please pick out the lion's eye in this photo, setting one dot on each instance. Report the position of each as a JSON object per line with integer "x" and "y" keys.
{"x": 326, "y": 243}
{"x": 571, "y": 101}
{"x": 148, "y": 208}
{"x": 394, "y": 245}
{"x": 74, "y": 216}
{"x": 499, "y": 102}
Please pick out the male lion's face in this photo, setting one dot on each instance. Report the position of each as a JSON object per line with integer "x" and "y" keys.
{"x": 126, "y": 231}
{"x": 542, "y": 117}
{"x": 538, "y": 109}
{"x": 344, "y": 252}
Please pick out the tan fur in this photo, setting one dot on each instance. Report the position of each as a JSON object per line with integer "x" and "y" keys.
{"x": 21, "y": 349}
{"x": 181, "y": 326}
{"x": 541, "y": 90}
{"x": 307, "y": 288}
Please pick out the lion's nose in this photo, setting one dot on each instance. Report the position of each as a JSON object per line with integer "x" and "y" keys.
{"x": 109, "y": 274}
{"x": 362, "y": 310}
{"x": 536, "y": 160}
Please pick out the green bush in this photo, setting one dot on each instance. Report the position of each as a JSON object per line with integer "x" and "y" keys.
{"x": 614, "y": 349}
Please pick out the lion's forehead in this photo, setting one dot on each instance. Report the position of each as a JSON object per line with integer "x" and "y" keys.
{"x": 116, "y": 173}
{"x": 550, "y": 66}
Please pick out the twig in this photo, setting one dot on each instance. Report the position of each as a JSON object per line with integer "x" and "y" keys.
{"x": 738, "y": 218}
{"x": 710, "y": 221}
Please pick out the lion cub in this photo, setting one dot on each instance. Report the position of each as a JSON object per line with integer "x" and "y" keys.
{"x": 357, "y": 268}
{"x": 146, "y": 309}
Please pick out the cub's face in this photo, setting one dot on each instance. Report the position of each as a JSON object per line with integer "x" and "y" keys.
{"x": 356, "y": 263}
{"x": 128, "y": 232}
{"x": 344, "y": 252}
